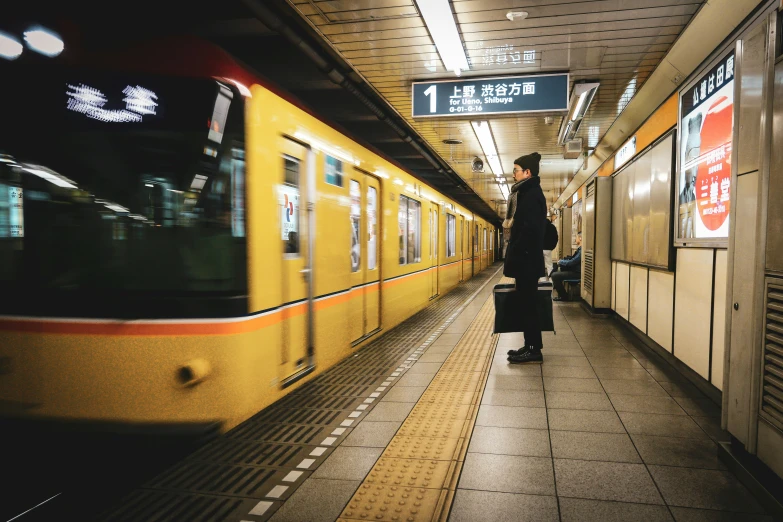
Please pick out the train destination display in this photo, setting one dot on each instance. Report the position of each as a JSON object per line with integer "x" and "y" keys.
{"x": 480, "y": 96}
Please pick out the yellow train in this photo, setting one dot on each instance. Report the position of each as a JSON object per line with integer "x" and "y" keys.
{"x": 187, "y": 250}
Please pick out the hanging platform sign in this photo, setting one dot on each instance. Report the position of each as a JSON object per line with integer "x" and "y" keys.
{"x": 481, "y": 96}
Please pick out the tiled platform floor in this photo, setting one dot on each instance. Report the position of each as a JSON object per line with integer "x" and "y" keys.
{"x": 599, "y": 432}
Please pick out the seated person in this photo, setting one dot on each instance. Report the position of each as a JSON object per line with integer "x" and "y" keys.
{"x": 568, "y": 268}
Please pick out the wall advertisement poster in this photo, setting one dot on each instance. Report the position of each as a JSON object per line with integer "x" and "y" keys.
{"x": 704, "y": 175}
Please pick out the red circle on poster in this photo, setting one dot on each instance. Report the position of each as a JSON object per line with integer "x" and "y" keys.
{"x": 713, "y": 180}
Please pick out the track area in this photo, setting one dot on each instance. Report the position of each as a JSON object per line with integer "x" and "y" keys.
{"x": 256, "y": 466}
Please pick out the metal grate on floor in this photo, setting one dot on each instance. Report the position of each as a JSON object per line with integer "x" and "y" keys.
{"x": 225, "y": 479}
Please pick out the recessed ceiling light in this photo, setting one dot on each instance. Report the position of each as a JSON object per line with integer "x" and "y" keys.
{"x": 516, "y": 15}
{"x": 440, "y": 22}
{"x": 452, "y": 141}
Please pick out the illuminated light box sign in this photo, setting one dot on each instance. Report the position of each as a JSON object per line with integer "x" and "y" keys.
{"x": 625, "y": 153}
{"x": 139, "y": 102}
{"x": 481, "y": 96}
{"x": 704, "y": 177}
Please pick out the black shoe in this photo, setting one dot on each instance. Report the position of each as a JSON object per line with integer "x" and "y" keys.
{"x": 532, "y": 355}
{"x": 558, "y": 299}
{"x": 520, "y": 351}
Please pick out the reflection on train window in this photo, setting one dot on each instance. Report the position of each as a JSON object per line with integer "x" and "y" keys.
{"x": 126, "y": 214}
{"x": 356, "y": 216}
{"x": 475, "y": 240}
{"x": 485, "y": 239}
{"x": 372, "y": 228}
{"x": 289, "y": 204}
{"x": 451, "y": 235}
{"x": 409, "y": 222}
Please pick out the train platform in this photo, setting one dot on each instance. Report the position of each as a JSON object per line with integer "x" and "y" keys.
{"x": 430, "y": 422}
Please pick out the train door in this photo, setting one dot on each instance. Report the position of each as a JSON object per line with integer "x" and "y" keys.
{"x": 461, "y": 248}
{"x": 476, "y": 256}
{"x": 372, "y": 294}
{"x": 364, "y": 308}
{"x": 296, "y": 265}
{"x": 434, "y": 251}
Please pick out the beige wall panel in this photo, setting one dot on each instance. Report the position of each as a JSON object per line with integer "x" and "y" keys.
{"x": 621, "y": 295}
{"x": 770, "y": 442}
{"x": 719, "y": 318}
{"x": 661, "y": 305}
{"x": 638, "y": 298}
{"x": 614, "y": 283}
{"x": 693, "y": 311}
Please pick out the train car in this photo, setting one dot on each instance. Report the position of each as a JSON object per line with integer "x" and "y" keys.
{"x": 184, "y": 245}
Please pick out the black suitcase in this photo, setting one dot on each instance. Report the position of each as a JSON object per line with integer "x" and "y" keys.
{"x": 509, "y": 308}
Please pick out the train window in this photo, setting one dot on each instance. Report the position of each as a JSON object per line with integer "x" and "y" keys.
{"x": 485, "y": 239}
{"x": 132, "y": 206}
{"x": 409, "y": 222}
{"x": 372, "y": 228}
{"x": 356, "y": 218}
{"x": 476, "y": 239}
{"x": 451, "y": 235}
{"x": 333, "y": 171}
{"x": 289, "y": 206}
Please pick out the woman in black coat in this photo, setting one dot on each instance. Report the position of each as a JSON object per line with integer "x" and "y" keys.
{"x": 526, "y": 217}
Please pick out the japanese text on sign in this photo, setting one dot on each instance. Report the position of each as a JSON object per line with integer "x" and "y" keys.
{"x": 491, "y": 95}
{"x": 704, "y": 177}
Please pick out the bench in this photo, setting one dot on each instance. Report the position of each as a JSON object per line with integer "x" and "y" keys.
{"x": 572, "y": 287}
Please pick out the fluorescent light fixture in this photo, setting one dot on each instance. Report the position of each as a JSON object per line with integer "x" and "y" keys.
{"x": 44, "y": 41}
{"x": 150, "y": 185}
{"x": 487, "y": 142}
{"x": 579, "y": 104}
{"x": 580, "y": 100}
{"x": 443, "y": 29}
{"x": 10, "y": 47}
{"x": 51, "y": 177}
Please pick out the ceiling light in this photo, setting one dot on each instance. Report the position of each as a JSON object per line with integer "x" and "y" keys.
{"x": 579, "y": 104}
{"x": 44, "y": 41}
{"x": 516, "y": 15}
{"x": 10, "y": 47}
{"x": 487, "y": 142}
{"x": 580, "y": 100}
{"x": 443, "y": 29}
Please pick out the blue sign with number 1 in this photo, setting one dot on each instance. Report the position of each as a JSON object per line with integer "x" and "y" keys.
{"x": 479, "y": 96}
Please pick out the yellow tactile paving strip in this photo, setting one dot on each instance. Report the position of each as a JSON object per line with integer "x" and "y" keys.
{"x": 416, "y": 476}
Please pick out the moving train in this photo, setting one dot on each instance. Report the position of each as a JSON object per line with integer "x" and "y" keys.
{"x": 182, "y": 245}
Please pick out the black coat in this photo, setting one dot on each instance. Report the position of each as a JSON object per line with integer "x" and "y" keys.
{"x": 525, "y": 252}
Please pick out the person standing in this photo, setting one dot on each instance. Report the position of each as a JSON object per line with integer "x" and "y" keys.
{"x": 526, "y": 217}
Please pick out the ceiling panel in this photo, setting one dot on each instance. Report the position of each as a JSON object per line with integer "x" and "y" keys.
{"x": 615, "y": 42}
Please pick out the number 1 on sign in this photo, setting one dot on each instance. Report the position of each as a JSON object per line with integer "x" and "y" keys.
{"x": 431, "y": 92}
